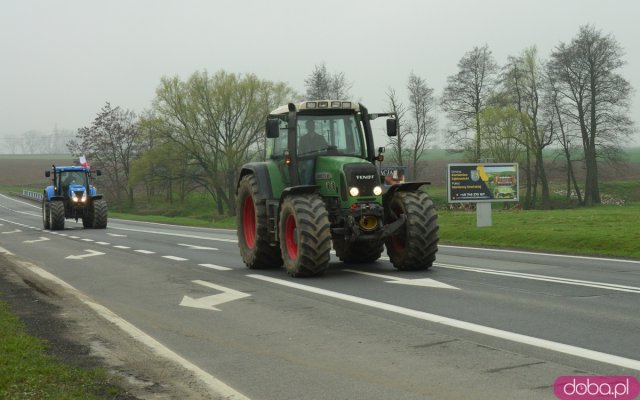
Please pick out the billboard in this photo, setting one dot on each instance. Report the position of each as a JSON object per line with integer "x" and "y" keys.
{"x": 486, "y": 182}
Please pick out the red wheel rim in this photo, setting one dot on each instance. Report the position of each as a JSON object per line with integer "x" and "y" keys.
{"x": 249, "y": 222}
{"x": 290, "y": 238}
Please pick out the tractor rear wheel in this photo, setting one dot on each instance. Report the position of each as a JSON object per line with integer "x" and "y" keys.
{"x": 305, "y": 236}
{"x": 99, "y": 214}
{"x": 46, "y": 219}
{"x": 357, "y": 252}
{"x": 414, "y": 247}
{"x": 56, "y": 215}
{"x": 251, "y": 220}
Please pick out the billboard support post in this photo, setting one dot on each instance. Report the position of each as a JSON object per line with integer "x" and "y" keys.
{"x": 483, "y": 214}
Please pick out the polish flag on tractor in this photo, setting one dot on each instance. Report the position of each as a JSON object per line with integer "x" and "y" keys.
{"x": 83, "y": 161}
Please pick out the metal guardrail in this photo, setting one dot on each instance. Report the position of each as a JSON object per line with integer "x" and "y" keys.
{"x": 32, "y": 195}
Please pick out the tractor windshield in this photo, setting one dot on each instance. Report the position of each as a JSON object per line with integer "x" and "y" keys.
{"x": 72, "y": 178}
{"x": 336, "y": 135}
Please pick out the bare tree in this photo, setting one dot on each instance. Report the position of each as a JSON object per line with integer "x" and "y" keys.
{"x": 422, "y": 106}
{"x": 466, "y": 94}
{"x": 585, "y": 72}
{"x": 524, "y": 79}
{"x": 111, "y": 144}
{"x": 398, "y": 144}
{"x": 323, "y": 85}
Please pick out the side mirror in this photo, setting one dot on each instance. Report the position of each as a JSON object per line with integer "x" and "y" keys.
{"x": 47, "y": 174}
{"x": 392, "y": 127}
{"x": 380, "y": 156}
{"x": 273, "y": 128}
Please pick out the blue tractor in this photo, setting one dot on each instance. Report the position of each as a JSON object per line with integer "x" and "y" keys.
{"x": 72, "y": 196}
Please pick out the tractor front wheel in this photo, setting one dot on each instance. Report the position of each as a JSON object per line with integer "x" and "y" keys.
{"x": 414, "y": 247}
{"x": 99, "y": 214}
{"x": 305, "y": 236}
{"x": 46, "y": 219}
{"x": 251, "y": 220}
{"x": 56, "y": 215}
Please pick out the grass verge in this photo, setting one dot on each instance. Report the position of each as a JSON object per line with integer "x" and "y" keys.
{"x": 601, "y": 230}
{"x": 28, "y": 372}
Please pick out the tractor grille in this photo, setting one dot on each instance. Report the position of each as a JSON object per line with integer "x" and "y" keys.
{"x": 364, "y": 176}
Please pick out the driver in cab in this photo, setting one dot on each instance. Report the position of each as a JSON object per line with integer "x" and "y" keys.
{"x": 312, "y": 141}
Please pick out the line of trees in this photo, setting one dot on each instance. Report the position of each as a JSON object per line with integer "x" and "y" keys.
{"x": 577, "y": 99}
{"x": 35, "y": 142}
{"x": 199, "y": 131}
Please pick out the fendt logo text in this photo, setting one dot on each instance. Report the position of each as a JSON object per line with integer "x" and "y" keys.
{"x": 596, "y": 388}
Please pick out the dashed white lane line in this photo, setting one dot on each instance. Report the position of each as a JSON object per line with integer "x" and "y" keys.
{"x": 145, "y": 251}
{"x": 122, "y": 247}
{"x": 103, "y": 243}
{"x": 174, "y": 258}
{"x": 216, "y": 267}
{"x": 88, "y": 240}
{"x": 74, "y": 237}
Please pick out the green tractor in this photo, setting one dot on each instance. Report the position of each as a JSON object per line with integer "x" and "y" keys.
{"x": 320, "y": 188}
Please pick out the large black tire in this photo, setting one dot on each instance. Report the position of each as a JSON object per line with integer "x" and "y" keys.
{"x": 414, "y": 247}
{"x": 305, "y": 236}
{"x": 99, "y": 212}
{"x": 357, "y": 252}
{"x": 252, "y": 226}
{"x": 46, "y": 219}
{"x": 56, "y": 215}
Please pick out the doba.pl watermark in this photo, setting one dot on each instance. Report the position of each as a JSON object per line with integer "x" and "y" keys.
{"x": 596, "y": 388}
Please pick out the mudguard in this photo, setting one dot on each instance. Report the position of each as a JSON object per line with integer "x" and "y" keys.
{"x": 261, "y": 173}
{"x": 50, "y": 194}
{"x": 401, "y": 187}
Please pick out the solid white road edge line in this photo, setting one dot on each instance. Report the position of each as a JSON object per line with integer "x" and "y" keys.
{"x": 468, "y": 326}
{"x": 209, "y": 380}
{"x": 533, "y": 253}
{"x": 544, "y": 278}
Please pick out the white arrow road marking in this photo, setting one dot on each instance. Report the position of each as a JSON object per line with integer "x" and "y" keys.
{"x": 90, "y": 253}
{"x": 193, "y": 247}
{"x": 116, "y": 235}
{"x": 10, "y": 232}
{"x": 209, "y": 302}
{"x": 426, "y": 282}
{"x": 42, "y": 239}
{"x": 544, "y": 278}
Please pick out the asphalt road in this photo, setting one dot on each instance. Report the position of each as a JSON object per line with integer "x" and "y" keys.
{"x": 482, "y": 324}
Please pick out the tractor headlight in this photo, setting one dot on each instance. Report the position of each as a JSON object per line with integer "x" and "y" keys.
{"x": 377, "y": 190}
{"x": 74, "y": 198}
{"x": 354, "y": 191}
{"x": 84, "y": 197}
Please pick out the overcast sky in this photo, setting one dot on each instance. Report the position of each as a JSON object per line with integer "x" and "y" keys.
{"x": 61, "y": 60}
